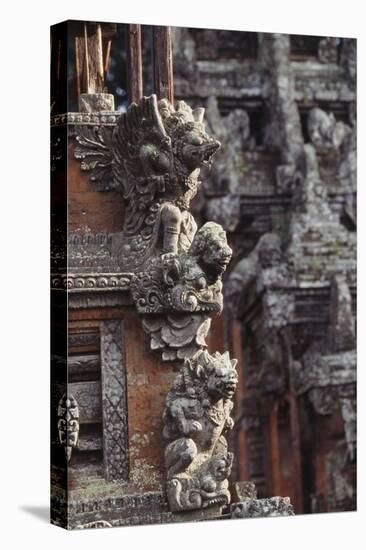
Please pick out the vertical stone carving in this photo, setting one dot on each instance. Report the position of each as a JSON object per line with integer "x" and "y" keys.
{"x": 115, "y": 440}
{"x": 68, "y": 423}
{"x": 154, "y": 158}
{"x": 284, "y": 129}
{"x": 196, "y": 417}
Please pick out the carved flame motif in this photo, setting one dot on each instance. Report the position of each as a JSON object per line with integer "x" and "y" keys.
{"x": 68, "y": 423}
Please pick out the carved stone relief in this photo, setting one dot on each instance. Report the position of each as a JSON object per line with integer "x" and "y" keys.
{"x": 68, "y": 423}
{"x": 114, "y": 400}
{"x": 324, "y": 130}
{"x": 154, "y": 156}
{"x": 263, "y": 507}
{"x": 174, "y": 275}
{"x": 196, "y": 417}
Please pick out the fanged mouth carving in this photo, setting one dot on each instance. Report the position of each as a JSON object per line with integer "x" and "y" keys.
{"x": 208, "y": 152}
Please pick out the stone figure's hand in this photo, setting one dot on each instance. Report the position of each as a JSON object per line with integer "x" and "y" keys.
{"x": 195, "y": 427}
{"x": 171, "y": 270}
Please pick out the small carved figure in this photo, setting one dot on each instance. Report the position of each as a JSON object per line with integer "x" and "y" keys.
{"x": 196, "y": 417}
{"x": 186, "y": 282}
{"x": 324, "y": 130}
{"x": 68, "y": 423}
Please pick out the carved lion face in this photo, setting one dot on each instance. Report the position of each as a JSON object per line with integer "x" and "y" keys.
{"x": 190, "y": 141}
{"x": 220, "y": 466}
{"x": 222, "y": 376}
{"x": 197, "y": 147}
{"x": 211, "y": 250}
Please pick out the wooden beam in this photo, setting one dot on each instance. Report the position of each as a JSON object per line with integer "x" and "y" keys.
{"x": 134, "y": 63}
{"x": 90, "y": 64}
{"x": 163, "y": 63}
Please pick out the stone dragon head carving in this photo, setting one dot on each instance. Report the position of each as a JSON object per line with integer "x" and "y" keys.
{"x": 158, "y": 151}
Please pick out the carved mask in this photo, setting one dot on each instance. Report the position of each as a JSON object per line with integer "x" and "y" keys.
{"x": 222, "y": 378}
{"x": 68, "y": 423}
{"x": 198, "y": 148}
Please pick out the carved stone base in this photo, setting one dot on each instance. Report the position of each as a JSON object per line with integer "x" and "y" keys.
{"x": 263, "y": 507}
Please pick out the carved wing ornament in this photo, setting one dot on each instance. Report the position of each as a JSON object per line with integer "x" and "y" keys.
{"x": 95, "y": 151}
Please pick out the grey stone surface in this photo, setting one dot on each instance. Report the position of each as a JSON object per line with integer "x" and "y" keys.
{"x": 261, "y": 508}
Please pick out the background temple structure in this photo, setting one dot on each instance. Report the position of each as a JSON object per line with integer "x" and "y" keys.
{"x": 283, "y": 187}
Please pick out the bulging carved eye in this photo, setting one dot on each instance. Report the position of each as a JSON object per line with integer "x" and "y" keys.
{"x": 201, "y": 283}
{"x": 195, "y": 140}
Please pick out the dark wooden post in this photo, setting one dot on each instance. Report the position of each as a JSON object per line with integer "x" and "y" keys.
{"x": 134, "y": 63}
{"x": 163, "y": 63}
{"x": 89, "y": 60}
{"x": 294, "y": 426}
{"x": 59, "y": 69}
{"x": 92, "y": 48}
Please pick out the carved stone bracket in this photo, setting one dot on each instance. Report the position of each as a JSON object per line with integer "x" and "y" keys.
{"x": 153, "y": 156}
{"x": 263, "y": 507}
